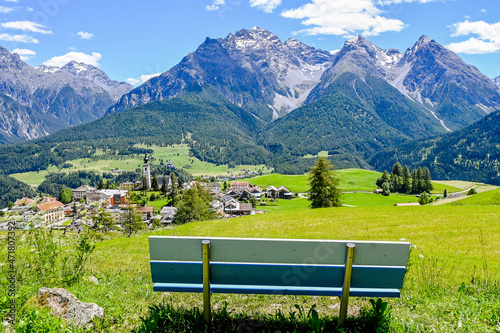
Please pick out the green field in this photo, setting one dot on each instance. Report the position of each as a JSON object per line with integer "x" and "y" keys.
{"x": 375, "y": 200}
{"x": 350, "y": 180}
{"x": 451, "y": 246}
{"x": 480, "y": 199}
{"x": 179, "y": 154}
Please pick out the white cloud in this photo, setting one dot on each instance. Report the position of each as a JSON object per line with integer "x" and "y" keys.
{"x": 18, "y": 38}
{"x": 26, "y": 26}
{"x": 85, "y": 35}
{"x": 483, "y": 10}
{"x": 141, "y": 79}
{"x": 5, "y": 10}
{"x": 12, "y": 0}
{"x": 29, "y": 9}
{"x": 24, "y": 54}
{"x": 487, "y": 40}
{"x": 59, "y": 61}
{"x": 215, "y": 5}
{"x": 265, "y": 5}
{"x": 388, "y": 2}
{"x": 343, "y": 17}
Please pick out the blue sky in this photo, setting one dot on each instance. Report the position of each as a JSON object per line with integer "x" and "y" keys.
{"x": 131, "y": 40}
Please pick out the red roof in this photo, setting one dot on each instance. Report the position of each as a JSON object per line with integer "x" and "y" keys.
{"x": 23, "y": 201}
{"x": 240, "y": 183}
{"x": 50, "y": 205}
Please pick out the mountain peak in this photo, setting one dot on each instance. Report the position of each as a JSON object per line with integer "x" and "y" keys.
{"x": 357, "y": 40}
{"x": 424, "y": 40}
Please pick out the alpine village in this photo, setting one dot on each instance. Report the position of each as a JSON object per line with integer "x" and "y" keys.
{"x": 258, "y": 185}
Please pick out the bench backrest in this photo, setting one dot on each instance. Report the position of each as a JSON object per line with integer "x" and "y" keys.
{"x": 278, "y": 262}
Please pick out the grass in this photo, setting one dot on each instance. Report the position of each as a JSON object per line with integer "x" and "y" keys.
{"x": 459, "y": 245}
{"x": 375, "y": 200}
{"x": 179, "y": 154}
{"x": 480, "y": 199}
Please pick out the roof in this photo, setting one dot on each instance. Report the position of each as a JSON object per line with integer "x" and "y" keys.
{"x": 110, "y": 193}
{"x": 408, "y": 204}
{"x": 246, "y": 207}
{"x": 85, "y": 188}
{"x": 50, "y": 205}
{"x": 145, "y": 209}
{"x": 23, "y": 201}
{"x": 168, "y": 210}
{"x": 240, "y": 183}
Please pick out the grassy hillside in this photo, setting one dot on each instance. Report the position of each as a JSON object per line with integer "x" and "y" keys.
{"x": 481, "y": 199}
{"x": 350, "y": 180}
{"x": 450, "y": 282}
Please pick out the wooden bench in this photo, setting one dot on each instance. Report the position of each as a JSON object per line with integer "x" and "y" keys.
{"x": 278, "y": 267}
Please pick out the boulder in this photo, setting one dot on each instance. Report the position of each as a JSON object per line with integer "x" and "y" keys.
{"x": 66, "y": 305}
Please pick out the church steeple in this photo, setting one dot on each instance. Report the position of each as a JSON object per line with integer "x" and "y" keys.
{"x": 146, "y": 172}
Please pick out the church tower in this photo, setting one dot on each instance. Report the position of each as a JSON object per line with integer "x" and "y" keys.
{"x": 146, "y": 172}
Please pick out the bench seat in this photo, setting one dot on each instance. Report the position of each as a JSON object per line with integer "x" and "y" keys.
{"x": 273, "y": 290}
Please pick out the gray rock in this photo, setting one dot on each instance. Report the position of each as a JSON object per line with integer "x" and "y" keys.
{"x": 66, "y": 305}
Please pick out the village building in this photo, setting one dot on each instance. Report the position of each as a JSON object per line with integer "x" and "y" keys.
{"x": 130, "y": 186}
{"x": 52, "y": 210}
{"x": 81, "y": 191}
{"x": 96, "y": 197}
{"x": 23, "y": 202}
{"x": 146, "y": 172}
{"x": 168, "y": 215}
{"x": 146, "y": 212}
{"x": 235, "y": 208}
{"x": 238, "y": 185}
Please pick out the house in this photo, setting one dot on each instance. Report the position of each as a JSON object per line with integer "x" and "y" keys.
{"x": 284, "y": 193}
{"x": 115, "y": 197}
{"x": 23, "y": 202}
{"x": 81, "y": 191}
{"x": 236, "y": 208}
{"x": 407, "y": 204}
{"x": 245, "y": 194}
{"x": 233, "y": 193}
{"x": 146, "y": 212}
{"x": 96, "y": 197}
{"x": 256, "y": 192}
{"x": 168, "y": 215}
{"x": 271, "y": 192}
{"x": 217, "y": 206}
{"x": 167, "y": 180}
{"x": 52, "y": 210}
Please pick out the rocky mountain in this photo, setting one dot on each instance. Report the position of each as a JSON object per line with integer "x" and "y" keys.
{"x": 251, "y": 68}
{"x": 439, "y": 82}
{"x": 497, "y": 81}
{"x": 114, "y": 88}
{"x": 469, "y": 154}
{"x": 39, "y": 101}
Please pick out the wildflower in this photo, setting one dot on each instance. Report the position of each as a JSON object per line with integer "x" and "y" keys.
{"x": 421, "y": 256}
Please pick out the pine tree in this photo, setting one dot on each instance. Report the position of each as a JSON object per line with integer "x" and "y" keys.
{"x": 100, "y": 186}
{"x": 323, "y": 183}
{"x": 131, "y": 222}
{"x": 426, "y": 180}
{"x": 164, "y": 185}
{"x": 397, "y": 170}
{"x": 420, "y": 183}
{"x": 385, "y": 178}
{"x": 414, "y": 182}
{"x": 173, "y": 192}
{"x": 445, "y": 194}
{"x": 406, "y": 182}
{"x": 154, "y": 182}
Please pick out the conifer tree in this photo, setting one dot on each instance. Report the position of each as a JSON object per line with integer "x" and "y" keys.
{"x": 164, "y": 185}
{"x": 323, "y": 183}
{"x": 154, "y": 182}
{"x": 426, "y": 180}
{"x": 406, "y": 182}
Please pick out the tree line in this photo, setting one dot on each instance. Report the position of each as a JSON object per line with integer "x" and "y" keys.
{"x": 402, "y": 180}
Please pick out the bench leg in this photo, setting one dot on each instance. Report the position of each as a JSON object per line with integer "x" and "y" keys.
{"x": 206, "y": 280}
{"x": 344, "y": 299}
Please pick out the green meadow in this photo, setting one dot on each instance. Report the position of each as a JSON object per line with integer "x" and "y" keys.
{"x": 451, "y": 284}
